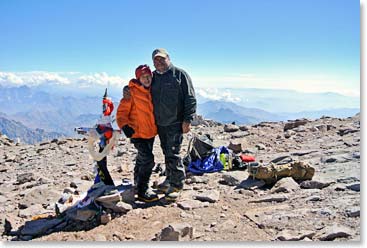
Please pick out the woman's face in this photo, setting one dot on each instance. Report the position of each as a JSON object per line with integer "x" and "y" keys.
{"x": 146, "y": 80}
{"x": 161, "y": 63}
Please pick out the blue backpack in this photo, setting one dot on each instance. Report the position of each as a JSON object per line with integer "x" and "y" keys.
{"x": 209, "y": 164}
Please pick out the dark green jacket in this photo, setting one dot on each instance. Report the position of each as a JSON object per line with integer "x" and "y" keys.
{"x": 173, "y": 97}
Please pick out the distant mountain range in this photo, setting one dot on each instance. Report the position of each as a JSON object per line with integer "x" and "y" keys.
{"x": 278, "y": 101}
{"x": 18, "y": 132}
{"x": 54, "y": 112}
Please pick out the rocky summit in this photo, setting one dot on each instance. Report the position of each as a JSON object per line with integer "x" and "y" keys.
{"x": 220, "y": 206}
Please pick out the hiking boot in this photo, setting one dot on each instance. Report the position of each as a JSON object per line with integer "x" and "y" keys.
{"x": 148, "y": 196}
{"x": 163, "y": 187}
{"x": 172, "y": 194}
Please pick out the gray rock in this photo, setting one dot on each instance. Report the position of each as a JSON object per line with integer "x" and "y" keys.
{"x": 73, "y": 185}
{"x": 289, "y": 133}
{"x": 118, "y": 207}
{"x": 312, "y": 184}
{"x": 353, "y": 212}
{"x": 25, "y": 177}
{"x": 330, "y": 127}
{"x": 244, "y": 128}
{"x": 176, "y": 232}
{"x": 208, "y": 196}
{"x": 105, "y": 218}
{"x": 260, "y": 147}
{"x": 347, "y": 180}
{"x": 197, "y": 179}
{"x": 189, "y": 204}
{"x": 313, "y": 198}
{"x": 271, "y": 198}
{"x": 31, "y": 211}
{"x": 288, "y": 235}
{"x": 235, "y": 147}
{"x": 356, "y": 155}
{"x": 347, "y": 130}
{"x": 294, "y": 124}
{"x": 285, "y": 185}
{"x": 333, "y": 232}
{"x": 229, "y": 128}
{"x": 3, "y": 199}
{"x": 128, "y": 196}
{"x": 38, "y": 227}
{"x": 355, "y": 187}
{"x": 232, "y": 178}
{"x": 322, "y": 127}
{"x": 250, "y": 183}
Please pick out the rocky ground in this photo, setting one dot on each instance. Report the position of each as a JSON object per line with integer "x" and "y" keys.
{"x": 217, "y": 206}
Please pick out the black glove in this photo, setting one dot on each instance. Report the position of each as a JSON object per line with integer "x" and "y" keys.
{"x": 128, "y": 131}
{"x": 126, "y": 93}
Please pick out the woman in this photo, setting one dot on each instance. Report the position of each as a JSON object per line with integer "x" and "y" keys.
{"x": 135, "y": 117}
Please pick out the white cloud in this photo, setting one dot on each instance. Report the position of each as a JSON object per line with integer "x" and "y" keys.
{"x": 32, "y": 78}
{"x": 102, "y": 79}
{"x": 36, "y": 78}
{"x": 217, "y": 94}
{"x": 8, "y": 79}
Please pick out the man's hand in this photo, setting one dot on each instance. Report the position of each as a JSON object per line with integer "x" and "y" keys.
{"x": 186, "y": 126}
{"x": 126, "y": 93}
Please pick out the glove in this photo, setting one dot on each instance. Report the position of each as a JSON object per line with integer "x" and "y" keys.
{"x": 126, "y": 93}
{"x": 128, "y": 131}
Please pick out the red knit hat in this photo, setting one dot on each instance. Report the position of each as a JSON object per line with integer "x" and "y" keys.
{"x": 142, "y": 69}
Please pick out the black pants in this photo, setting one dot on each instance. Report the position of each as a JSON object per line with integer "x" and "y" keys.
{"x": 171, "y": 140}
{"x": 144, "y": 162}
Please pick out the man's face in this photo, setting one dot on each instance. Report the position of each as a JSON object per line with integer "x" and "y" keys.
{"x": 161, "y": 63}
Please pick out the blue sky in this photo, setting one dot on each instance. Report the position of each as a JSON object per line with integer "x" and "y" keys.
{"x": 307, "y": 45}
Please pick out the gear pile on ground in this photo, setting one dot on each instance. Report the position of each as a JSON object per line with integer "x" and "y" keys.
{"x": 230, "y": 205}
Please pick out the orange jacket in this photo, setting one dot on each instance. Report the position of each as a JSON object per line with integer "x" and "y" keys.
{"x": 137, "y": 112}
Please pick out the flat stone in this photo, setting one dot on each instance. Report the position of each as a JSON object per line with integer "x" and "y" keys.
{"x": 251, "y": 183}
{"x": 25, "y": 177}
{"x": 271, "y": 198}
{"x": 331, "y": 160}
{"x": 288, "y": 235}
{"x": 294, "y": 124}
{"x": 208, "y": 196}
{"x": 232, "y": 178}
{"x": 313, "y": 198}
{"x": 119, "y": 207}
{"x": 31, "y": 211}
{"x": 355, "y": 187}
{"x": 244, "y": 128}
{"x": 353, "y": 212}
{"x": 197, "y": 179}
{"x": 347, "y": 180}
{"x": 189, "y": 204}
{"x": 176, "y": 232}
{"x": 333, "y": 232}
{"x": 356, "y": 155}
{"x": 312, "y": 184}
{"x": 229, "y": 128}
{"x": 285, "y": 185}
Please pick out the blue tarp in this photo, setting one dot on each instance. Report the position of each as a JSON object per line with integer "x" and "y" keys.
{"x": 210, "y": 163}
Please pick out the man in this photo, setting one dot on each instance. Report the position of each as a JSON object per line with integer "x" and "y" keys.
{"x": 174, "y": 105}
{"x": 174, "y": 108}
